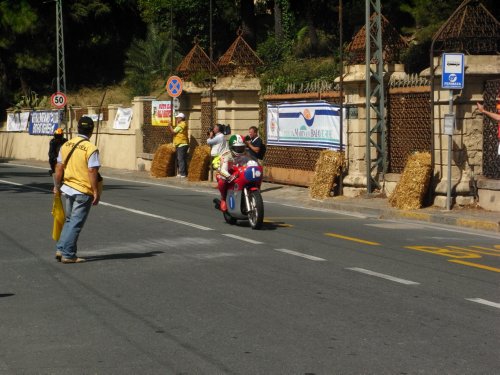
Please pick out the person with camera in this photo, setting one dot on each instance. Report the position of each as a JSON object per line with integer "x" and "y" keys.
{"x": 254, "y": 143}
{"x": 216, "y": 141}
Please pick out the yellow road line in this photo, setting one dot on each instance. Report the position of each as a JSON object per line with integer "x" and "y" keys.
{"x": 310, "y": 218}
{"x": 351, "y": 239}
{"x": 482, "y": 266}
{"x": 278, "y": 224}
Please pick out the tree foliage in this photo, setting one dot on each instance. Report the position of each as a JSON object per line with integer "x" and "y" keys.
{"x": 101, "y": 35}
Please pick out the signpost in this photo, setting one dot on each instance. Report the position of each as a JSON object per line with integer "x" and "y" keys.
{"x": 452, "y": 78}
{"x": 58, "y": 100}
{"x": 174, "y": 89}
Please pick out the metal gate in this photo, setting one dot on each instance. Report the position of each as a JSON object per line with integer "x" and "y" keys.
{"x": 491, "y": 159}
{"x": 153, "y": 136}
{"x": 206, "y": 114}
{"x": 408, "y": 125}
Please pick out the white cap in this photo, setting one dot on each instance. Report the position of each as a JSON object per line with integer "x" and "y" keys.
{"x": 181, "y": 115}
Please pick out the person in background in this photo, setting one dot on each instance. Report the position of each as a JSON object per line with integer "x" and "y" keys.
{"x": 54, "y": 146}
{"x": 181, "y": 143}
{"x": 492, "y": 115}
{"x": 216, "y": 141}
{"x": 77, "y": 178}
{"x": 253, "y": 142}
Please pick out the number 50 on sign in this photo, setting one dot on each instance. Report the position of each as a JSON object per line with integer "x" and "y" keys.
{"x": 58, "y": 100}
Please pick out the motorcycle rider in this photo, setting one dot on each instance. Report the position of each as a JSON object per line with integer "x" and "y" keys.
{"x": 229, "y": 159}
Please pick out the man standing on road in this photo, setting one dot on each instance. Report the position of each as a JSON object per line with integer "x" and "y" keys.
{"x": 254, "y": 143}
{"x": 77, "y": 177}
{"x": 181, "y": 143}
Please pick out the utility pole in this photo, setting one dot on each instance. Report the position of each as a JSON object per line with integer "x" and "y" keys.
{"x": 211, "y": 52}
{"x": 61, "y": 66}
{"x": 375, "y": 136}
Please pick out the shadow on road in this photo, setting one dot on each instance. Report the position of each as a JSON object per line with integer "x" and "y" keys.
{"x": 122, "y": 256}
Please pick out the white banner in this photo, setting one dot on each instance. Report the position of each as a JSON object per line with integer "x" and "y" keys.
{"x": 17, "y": 122}
{"x": 95, "y": 117}
{"x": 304, "y": 124}
{"x": 123, "y": 118}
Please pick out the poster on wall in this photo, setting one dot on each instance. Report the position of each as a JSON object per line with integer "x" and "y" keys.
{"x": 44, "y": 122}
{"x": 161, "y": 112}
{"x": 96, "y": 117}
{"x": 17, "y": 122}
{"x": 304, "y": 124}
{"x": 123, "y": 118}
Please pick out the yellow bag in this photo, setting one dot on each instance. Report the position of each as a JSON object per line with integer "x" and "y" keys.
{"x": 59, "y": 217}
{"x": 216, "y": 162}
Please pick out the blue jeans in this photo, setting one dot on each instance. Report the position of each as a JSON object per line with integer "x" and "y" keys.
{"x": 77, "y": 209}
{"x": 182, "y": 159}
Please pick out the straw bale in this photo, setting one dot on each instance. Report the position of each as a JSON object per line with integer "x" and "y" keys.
{"x": 163, "y": 164}
{"x": 198, "y": 167}
{"x": 411, "y": 188}
{"x": 328, "y": 168}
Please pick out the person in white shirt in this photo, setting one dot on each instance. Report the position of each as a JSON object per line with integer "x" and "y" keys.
{"x": 216, "y": 141}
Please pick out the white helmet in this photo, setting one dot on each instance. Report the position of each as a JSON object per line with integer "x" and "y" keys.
{"x": 236, "y": 144}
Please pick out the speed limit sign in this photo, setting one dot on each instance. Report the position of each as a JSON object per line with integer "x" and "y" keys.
{"x": 58, "y": 100}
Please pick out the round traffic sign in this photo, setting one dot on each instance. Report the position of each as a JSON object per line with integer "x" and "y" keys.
{"x": 174, "y": 86}
{"x": 58, "y": 99}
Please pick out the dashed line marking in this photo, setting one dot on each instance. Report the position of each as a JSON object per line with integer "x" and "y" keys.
{"x": 352, "y": 239}
{"x": 156, "y": 216}
{"x": 302, "y": 255}
{"x": 242, "y": 238}
{"x": 484, "y": 302}
{"x": 383, "y": 276}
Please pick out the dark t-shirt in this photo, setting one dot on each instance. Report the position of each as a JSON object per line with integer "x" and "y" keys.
{"x": 256, "y": 142}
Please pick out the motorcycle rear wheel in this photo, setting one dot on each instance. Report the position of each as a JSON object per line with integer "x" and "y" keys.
{"x": 256, "y": 210}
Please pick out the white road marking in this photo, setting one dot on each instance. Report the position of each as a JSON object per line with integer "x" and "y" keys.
{"x": 26, "y": 186}
{"x": 242, "y": 238}
{"x": 383, "y": 276}
{"x": 125, "y": 209}
{"x": 302, "y": 255}
{"x": 353, "y": 214}
{"x": 396, "y": 226}
{"x": 484, "y": 302}
{"x": 156, "y": 216}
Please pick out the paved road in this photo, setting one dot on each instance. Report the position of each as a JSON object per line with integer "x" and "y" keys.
{"x": 170, "y": 288}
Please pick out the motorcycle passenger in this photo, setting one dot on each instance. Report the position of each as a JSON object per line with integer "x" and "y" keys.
{"x": 228, "y": 160}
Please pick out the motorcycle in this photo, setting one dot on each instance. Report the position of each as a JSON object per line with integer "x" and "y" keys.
{"x": 244, "y": 201}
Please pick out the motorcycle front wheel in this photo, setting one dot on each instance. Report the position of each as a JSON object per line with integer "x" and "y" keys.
{"x": 229, "y": 219}
{"x": 256, "y": 210}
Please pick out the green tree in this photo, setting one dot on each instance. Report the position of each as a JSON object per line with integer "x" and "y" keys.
{"x": 148, "y": 61}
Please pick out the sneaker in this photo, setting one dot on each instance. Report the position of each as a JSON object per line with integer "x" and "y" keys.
{"x": 72, "y": 260}
{"x": 223, "y": 206}
{"x": 182, "y": 176}
{"x": 58, "y": 255}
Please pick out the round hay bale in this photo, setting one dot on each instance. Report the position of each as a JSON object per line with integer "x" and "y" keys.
{"x": 198, "y": 166}
{"x": 328, "y": 168}
{"x": 163, "y": 164}
{"x": 412, "y": 187}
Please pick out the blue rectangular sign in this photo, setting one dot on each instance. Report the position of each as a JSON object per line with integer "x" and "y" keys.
{"x": 43, "y": 122}
{"x": 453, "y": 71}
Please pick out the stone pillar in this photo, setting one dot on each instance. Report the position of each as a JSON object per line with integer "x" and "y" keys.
{"x": 355, "y": 98}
